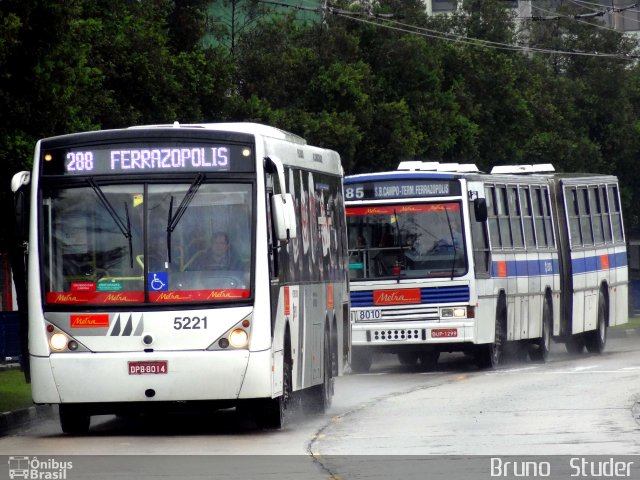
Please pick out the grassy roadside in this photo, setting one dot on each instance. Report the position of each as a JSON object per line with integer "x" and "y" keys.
{"x": 634, "y": 322}
{"x": 15, "y": 393}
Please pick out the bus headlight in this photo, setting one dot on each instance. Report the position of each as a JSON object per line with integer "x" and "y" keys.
{"x": 58, "y": 341}
{"x": 453, "y": 312}
{"x": 63, "y": 342}
{"x": 238, "y": 338}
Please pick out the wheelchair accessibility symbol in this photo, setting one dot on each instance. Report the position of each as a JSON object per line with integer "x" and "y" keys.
{"x": 158, "y": 281}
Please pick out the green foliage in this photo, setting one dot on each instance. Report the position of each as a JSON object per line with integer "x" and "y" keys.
{"x": 15, "y": 393}
{"x": 376, "y": 95}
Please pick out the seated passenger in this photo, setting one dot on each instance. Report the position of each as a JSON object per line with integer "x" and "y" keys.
{"x": 221, "y": 256}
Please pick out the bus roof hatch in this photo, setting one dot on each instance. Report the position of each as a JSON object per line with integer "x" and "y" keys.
{"x": 416, "y": 165}
{"x": 536, "y": 168}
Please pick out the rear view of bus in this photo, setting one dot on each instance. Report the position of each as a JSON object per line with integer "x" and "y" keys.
{"x": 150, "y": 249}
{"x": 409, "y": 261}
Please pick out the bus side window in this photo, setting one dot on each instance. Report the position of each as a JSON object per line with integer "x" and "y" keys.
{"x": 527, "y": 218}
{"x": 494, "y": 228}
{"x": 606, "y": 217}
{"x": 596, "y": 215}
{"x": 548, "y": 222}
{"x": 502, "y": 204}
{"x": 515, "y": 215}
{"x": 542, "y": 235}
{"x": 272, "y": 242}
{"x": 616, "y": 217}
{"x": 585, "y": 216}
{"x": 479, "y": 238}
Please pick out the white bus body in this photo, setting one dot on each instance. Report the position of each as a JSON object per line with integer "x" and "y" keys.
{"x": 445, "y": 258}
{"x": 127, "y": 308}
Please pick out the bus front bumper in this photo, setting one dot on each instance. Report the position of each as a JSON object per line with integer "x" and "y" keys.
{"x": 109, "y": 377}
{"x": 413, "y": 333}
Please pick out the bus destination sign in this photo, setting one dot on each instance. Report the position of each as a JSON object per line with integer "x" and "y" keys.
{"x": 155, "y": 158}
{"x": 401, "y": 189}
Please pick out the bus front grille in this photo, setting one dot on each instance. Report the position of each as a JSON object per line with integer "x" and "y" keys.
{"x": 395, "y": 335}
{"x": 428, "y": 295}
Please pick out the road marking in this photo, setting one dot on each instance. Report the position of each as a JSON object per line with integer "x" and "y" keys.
{"x": 588, "y": 367}
{"x": 511, "y": 370}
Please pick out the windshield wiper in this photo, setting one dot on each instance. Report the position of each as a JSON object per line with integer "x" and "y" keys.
{"x": 453, "y": 244}
{"x": 125, "y": 229}
{"x": 172, "y": 221}
{"x": 404, "y": 257}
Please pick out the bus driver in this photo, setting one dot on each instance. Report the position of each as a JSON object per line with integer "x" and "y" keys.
{"x": 221, "y": 255}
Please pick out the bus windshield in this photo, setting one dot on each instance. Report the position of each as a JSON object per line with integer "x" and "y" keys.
{"x": 147, "y": 243}
{"x": 406, "y": 241}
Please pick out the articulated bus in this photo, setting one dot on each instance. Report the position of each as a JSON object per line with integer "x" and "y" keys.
{"x": 445, "y": 258}
{"x": 167, "y": 267}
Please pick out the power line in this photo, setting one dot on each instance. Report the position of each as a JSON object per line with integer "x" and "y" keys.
{"x": 412, "y": 29}
{"x": 555, "y": 16}
{"x": 389, "y": 23}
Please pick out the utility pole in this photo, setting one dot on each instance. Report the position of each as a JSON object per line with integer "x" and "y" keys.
{"x": 323, "y": 12}
{"x": 616, "y": 16}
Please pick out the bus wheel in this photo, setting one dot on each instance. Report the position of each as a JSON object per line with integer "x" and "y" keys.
{"x": 273, "y": 411}
{"x": 429, "y": 360}
{"x": 575, "y": 344}
{"x": 408, "y": 359}
{"x": 318, "y": 398}
{"x": 491, "y": 355}
{"x": 73, "y": 420}
{"x": 361, "y": 359}
{"x": 541, "y": 350}
{"x": 596, "y": 340}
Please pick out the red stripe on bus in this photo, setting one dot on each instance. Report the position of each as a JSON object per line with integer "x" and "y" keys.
{"x": 398, "y": 209}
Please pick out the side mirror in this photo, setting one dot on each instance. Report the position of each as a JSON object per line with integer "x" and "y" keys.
{"x": 19, "y": 180}
{"x": 284, "y": 216}
{"x": 19, "y": 187}
{"x": 480, "y": 208}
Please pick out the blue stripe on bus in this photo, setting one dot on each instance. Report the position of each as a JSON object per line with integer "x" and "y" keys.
{"x": 457, "y": 294}
{"x": 592, "y": 263}
{"x": 532, "y": 268}
{"x": 526, "y": 268}
{"x": 362, "y": 299}
{"x": 399, "y": 176}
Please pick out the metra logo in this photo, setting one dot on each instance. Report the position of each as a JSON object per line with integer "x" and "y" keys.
{"x": 222, "y": 294}
{"x": 377, "y": 211}
{"x": 119, "y": 297}
{"x": 172, "y": 297}
{"x": 89, "y": 321}
{"x": 409, "y": 209}
{"x": 66, "y": 298}
{"x": 397, "y": 297}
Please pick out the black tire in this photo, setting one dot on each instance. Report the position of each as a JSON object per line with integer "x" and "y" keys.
{"x": 540, "y": 351}
{"x": 361, "y": 359}
{"x": 73, "y": 420}
{"x": 575, "y": 344}
{"x": 273, "y": 412}
{"x": 429, "y": 360}
{"x": 492, "y": 355}
{"x": 596, "y": 340}
{"x": 318, "y": 398}
{"x": 408, "y": 359}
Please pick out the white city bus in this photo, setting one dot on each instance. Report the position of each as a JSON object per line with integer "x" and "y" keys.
{"x": 127, "y": 307}
{"x": 445, "y": 258}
